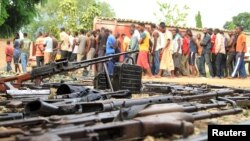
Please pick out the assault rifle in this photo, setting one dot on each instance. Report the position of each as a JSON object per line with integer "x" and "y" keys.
{"x": 55, "y": 68}
{"x": 104, "y": 117}
{"x": 41, "y": 107}
{"x": 171, "y": 88}
{"x": 138, "y": 128}
{"x": 86, "y": 95}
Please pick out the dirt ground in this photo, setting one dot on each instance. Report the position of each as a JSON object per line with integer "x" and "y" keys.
{"x": 244, "y": 83}
{"x": 200, "y": 125}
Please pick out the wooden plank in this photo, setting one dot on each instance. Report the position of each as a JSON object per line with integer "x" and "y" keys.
{"x": 28, "y": 92}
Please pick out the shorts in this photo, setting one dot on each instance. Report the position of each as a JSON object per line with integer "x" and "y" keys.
{"x": 16, "y": 59}
{"x": 142, "y": 60}
{"x": 191, "y": 58}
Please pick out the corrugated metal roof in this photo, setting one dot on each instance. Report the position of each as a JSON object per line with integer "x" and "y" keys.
{"x": 145, "y": 22}
{"x": 148, "y": 22}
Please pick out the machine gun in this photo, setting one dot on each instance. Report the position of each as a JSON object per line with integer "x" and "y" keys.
{"x": 41, "y": 107}
{"x": 54, "y": 68}
{"x": 137, "y": 128}
{"x": 104, "y": 117}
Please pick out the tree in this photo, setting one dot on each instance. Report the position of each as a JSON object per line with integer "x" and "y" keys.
{"x": 15, "y": 14}
{"x": 198, "y": 20}
{"x": 242, "y": 19}
{"x": 172, "y": 14}
{"x": 71, "y": 14}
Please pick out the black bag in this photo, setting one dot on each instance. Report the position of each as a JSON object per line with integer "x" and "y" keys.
{"x": 127, "y": 76}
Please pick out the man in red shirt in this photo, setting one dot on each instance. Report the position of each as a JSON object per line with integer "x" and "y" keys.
{"x": 185, "y": 54}
{"x": 9, "y": 51}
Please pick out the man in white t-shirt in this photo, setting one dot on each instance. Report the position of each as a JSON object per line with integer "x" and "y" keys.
{"x": 48, "y": 44}
{"x": 156, "y": 49}
{"x": 64, "y": 43}
{"x": 167, "y": 62}
{"x": 71, "y": 44}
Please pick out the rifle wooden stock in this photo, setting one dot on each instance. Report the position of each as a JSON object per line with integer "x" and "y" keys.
{"x": 18, "y": 79}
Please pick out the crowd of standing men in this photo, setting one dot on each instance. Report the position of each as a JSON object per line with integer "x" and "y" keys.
{"x": 182, "y": 54}
{"x": 160, "y": 50}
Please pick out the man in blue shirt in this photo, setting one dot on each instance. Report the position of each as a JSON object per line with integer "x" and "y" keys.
{"x": 109, "y": 51}
{"x": 110, "y": 45}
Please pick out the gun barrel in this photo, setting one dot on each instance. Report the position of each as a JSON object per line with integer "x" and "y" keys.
{"x": 209, "y": 95}
{"x": 118, "y": 94}
{"x": 111, "y": 105}
{"x": 205, "y": 115}
{"x": 203, "y": 107}
{"x": 10, "y": 116}
{"x": 174, "y": 107}
{"x": 38, "y": 106}
{"x": 106, "y": 57}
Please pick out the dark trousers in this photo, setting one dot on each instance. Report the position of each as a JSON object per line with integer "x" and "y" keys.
{"x": 101, "y": 53}
{"x": 64, "y": 54}
{"x": 69, "y": 55}
{"x": 219, "y": 65}
{"x": 207, "y": 59}
{"x": 230, "y": 62}
{"x": 39, "y": 61}
{"x": 223, "y": 65}
{"x": 73, "y": 57}
{"x": 156, "y": 62}
{"x": 9, "y": 68}
{"x": 213, "y": 60}
{"x": 200, "y": 62}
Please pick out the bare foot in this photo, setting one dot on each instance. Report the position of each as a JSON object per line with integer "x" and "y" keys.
{"x": 157, "y": 76}
{"x": 149, "y": 77}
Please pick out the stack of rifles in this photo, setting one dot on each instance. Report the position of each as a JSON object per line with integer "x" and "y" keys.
{"x": 80, "y": 113}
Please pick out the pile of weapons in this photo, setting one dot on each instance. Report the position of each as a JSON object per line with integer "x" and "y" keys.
{"x": 79, "y": 113}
